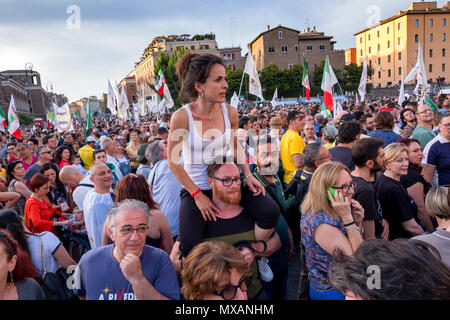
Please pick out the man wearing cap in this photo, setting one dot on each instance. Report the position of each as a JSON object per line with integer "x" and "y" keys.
{"x": 87, "y": 152}
{"x": 276, "y": 130}
{"x": 144, "y": 167}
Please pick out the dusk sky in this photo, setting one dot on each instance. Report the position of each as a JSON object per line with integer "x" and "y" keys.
{"x": 113, "y": 34}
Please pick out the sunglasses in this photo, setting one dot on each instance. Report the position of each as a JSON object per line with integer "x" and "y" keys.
{"x": 229, "y": 292}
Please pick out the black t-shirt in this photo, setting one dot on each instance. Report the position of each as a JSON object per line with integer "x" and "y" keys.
{"x": 343, "y": 155}
{"x": 366, "y": 195}
{"x": 396, "y": 204}
{"x": 412, "y": 177}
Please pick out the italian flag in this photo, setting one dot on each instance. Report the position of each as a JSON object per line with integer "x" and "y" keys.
{"x": 50, "y": 118}
{"x": 328, "y": 81}
{"x": 3, "y": 124}
{"x": 431, "y": 103}
{"x": 324, "y": 111}
{"x": 78, "y": 123}
{"x": 305, "y": 80}
{"x": 89, "y": 119}
{"x": 160, "y": 81}
{"x": 13, "y": 120}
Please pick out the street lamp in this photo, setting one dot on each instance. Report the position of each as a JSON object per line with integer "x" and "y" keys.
{"x": 29, "y": 66}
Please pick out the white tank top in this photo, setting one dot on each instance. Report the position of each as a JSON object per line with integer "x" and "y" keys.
{"x": 198, "y": 152}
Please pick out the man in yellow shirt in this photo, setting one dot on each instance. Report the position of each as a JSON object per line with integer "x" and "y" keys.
{"x": 292, "y": 145}
{"x": 87, "y": 152}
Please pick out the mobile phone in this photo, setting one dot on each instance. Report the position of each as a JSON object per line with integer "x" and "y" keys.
{"x": 332, "y": 191}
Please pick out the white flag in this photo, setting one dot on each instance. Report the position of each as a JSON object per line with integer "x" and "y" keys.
{"x": 275, "y": 97}
{"x": 111, "y": 102}
{"x": 337, "y": 108}
{"x": 420, "y": 74}
{"x": 363, "y": 82}
{"x": 401, "y": 96}
{"x": 169, "y": 102}
{"x": 63, "y": 121}
{"x": 255, "y": 84}
{"x": 235, "y": 100}
{"x": 136, "y": 112}
{"x": 124, "y": 105}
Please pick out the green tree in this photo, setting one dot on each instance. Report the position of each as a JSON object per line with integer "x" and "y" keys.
{"x": 353, "y": 76}
{"x": 25, "y": 119}
{"x": 234, "y": 78}
{"x": 168, "y": 64}
{"x": 271, "y": 78}
{"x": 293, "y": 80}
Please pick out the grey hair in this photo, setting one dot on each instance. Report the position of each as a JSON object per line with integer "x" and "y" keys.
{"x": 23, "y": 144}
{"x": 319, "y": 118}
{"x": 93, "y": 169}
{"x": 153, "y": 152}
{"x": 311, "y": 154}
{"x": 127, "y": 205}
{"x": 105, "y": 143}
{"x": 39, "y": 149}
{"x": 329, "y": 132}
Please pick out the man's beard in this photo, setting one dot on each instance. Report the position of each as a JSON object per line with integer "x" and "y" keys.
{"x": 269, "y": 169}
{"x": 377, "y": 167}
{"x": 230, "y": 196}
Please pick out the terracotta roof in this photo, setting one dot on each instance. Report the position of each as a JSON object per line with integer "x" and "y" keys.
{"x": 263, "y": 33}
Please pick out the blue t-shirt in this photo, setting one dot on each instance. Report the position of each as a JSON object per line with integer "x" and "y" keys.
{"x": 388, "y": 136}
{"x": 438, "y": 155}
{"x": 99, "y": 277}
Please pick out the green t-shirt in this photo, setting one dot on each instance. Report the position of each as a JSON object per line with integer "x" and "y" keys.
{"x": 424, "y": 135}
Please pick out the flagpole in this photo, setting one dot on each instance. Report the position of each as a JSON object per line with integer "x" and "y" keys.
{"x": 242, "y": 80}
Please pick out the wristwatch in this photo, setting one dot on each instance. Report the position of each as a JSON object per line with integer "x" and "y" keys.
{"x": 360, "y": 229}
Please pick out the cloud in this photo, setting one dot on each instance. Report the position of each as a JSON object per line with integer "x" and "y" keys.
{"x": 113, "y": 34}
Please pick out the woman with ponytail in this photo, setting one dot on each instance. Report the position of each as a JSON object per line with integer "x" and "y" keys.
{"x": 202, "y": 130}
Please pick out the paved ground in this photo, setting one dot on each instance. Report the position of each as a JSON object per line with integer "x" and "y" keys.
{"x": 293, "y": 276}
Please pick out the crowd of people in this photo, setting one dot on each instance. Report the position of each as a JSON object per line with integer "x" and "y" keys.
{"x": 212, "y": 203}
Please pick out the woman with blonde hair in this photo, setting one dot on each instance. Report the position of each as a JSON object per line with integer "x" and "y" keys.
{"x": 330, "y": 220}
{"x": 398, "y": 206}
{"x": 214, "y": 270}
{"x": 438, "y": 206}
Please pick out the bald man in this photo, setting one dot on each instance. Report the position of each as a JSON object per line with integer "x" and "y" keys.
{"x": 71, "y": 176}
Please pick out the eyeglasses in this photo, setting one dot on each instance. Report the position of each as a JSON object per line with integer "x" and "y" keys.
{"x": 447, "y": 125}
{"x": 128, "y": 231}
{"x": 228, "y": 182}
{"x": 229, "y": 292}
{"x": 327, "y": 157}
{"x": 45, "y": 152}
{"x": 346, "y": 187}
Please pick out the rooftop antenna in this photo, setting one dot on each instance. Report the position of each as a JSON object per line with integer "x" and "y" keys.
{"x": 231, "y": 32}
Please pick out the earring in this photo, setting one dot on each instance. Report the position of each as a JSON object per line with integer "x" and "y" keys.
{"x": 11, "y": 277}
{"x": 201, "y": 95}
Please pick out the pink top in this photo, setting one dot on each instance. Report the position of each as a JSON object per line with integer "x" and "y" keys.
{"x": 26, "y": 165}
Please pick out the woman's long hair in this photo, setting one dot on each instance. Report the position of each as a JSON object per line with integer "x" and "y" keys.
{"x": 9, "y": 220}
{"x": 58, "y": 154}
{"x": 325, "y": 176}
{"x": 24, "y": 267}
{"x": 59, "y": 184}
{"x": 10, "y": 171}
{"x": 135, "y": 186}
